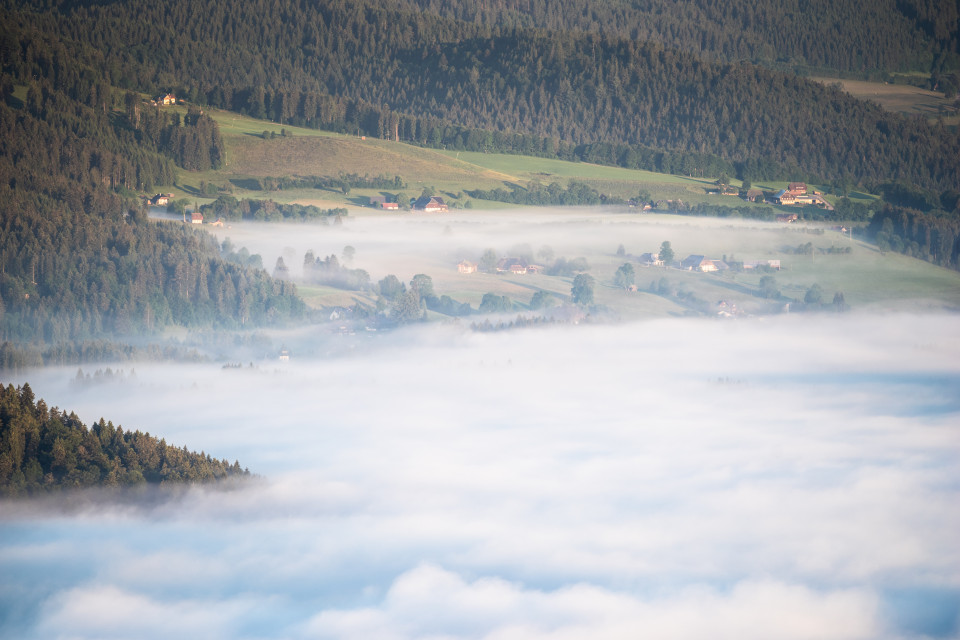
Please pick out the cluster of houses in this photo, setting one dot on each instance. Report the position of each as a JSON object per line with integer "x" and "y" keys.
{"x": 516, "y": 266}
{"x": 696, "y": 262}
{"x": 796, "y": 193}
{"x": 427, "y": 204}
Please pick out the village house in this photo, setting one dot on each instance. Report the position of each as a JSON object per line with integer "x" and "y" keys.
{"x": 380, "y": 202}
{"x": 754, "y": 195}
{"x": 167, "y": 99}
{"x": 650, "y": 260}
{"x": 700, "y": 263}
{"x": 160, "y": 200}
{"x": 787, "y": 217}
{"x": 430, "y": 204}
{"x": 196, "y": 217}
{"x": 467, "y": 267}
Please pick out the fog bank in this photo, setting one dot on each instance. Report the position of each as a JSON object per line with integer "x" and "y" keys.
{"x": 786, "y": 477}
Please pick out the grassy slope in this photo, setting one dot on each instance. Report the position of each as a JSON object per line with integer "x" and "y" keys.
{"x": 867, "y": 278}
{"x": 312, "y": 152}
{"x": 905, "y": 99}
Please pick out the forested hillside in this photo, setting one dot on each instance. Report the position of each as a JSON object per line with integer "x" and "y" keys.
{"x": 864, "y": 37}
{"x": 390, "y": 72}
{"x": 79, "y": 260}
{"x": 44, "y": 450}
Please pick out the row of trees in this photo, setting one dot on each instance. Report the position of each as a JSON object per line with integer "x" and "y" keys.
{"x": 44, "y": 450}
{"x": 229, "y": 208}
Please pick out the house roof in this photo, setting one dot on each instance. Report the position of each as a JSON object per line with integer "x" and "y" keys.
{"x": 692, "y": 261}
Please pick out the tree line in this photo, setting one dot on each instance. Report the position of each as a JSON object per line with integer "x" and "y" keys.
{"x": 43, "y": 450}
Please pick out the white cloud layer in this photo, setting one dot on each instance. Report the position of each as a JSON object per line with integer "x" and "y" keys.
{"x": 789, "y": 477}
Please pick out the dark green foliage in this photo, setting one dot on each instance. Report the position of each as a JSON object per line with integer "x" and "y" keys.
{"x": 448, "y": 306}
{"x": 611, "y": 97}
{"x": 407, "y": 307}
{"x": 666, "y": 252}
{"x": 768, "y": 287}
{"x": 541, "y": 299}
{"x": 814, "y": 295}
{"x": 330, "y": 183}
{"x": 329, "y": 271}
{"x": 70, "y": 276}
{"x": 229, "y": 208}
{"x": 44, "y": 450}
{"x": 391, "y": 287}
{"x": 576, "y": 193}
{"x": 624, "y": 277}
{"x": 582, "y": 290}
{"x": 933, "y": 236}
{"x": 79, "y": 260}
{"x": 492, "y": 303}
{"x": 564, "y": 267}
{"x": 854, "y": 37}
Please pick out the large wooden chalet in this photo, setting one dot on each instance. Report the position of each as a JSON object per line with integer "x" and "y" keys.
{"x": 430, "y": 204}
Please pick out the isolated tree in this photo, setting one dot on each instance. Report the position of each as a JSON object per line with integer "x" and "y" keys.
{"x": 492, "y": 303}
{"x": 814, "y": 295}
{"x": 407, "y": 308}
{"x": 422, "y": 284}
{"x": 348, "y": 254}
{"x": 541, "y": 299}
{"x": 621, "y": 250}
{"x": 768, "y": 287}
{"x": 624, "y": 276}
{"x": 745, "y": 184}
{"x": 839, "y": 303}
{"x": 582, "y": 290}
{"x": 390, "y": 287}
{"x": 666, "y": 253}
{"x": 281, "y": 271}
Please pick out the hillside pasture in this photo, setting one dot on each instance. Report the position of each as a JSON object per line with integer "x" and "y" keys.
{"x": 407, "y": 244}
{"x": 901, "y": 98}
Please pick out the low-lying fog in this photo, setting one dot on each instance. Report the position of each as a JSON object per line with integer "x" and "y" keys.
{"x": 779, "y": 477}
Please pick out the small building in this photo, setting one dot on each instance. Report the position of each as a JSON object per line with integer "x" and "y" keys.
{"x": 390, "y": 206}
{"x": 430, "y": 204}
{"x": 161, "y": 199}
{"x": 284, "y": 354}
{"x": 787, "y": 217}
{"x": 650, "y": 260}
{"x": 754, "y": 195}
{"x": 797, "y": 188}
{"x": 701, "y": 263}
{"x": 196, "y": 217}
{"x": 785, "y": 196}
{"x": 467, "y": 267}
{"x": 513, "y": 265}
{"x": 167, "y": 99}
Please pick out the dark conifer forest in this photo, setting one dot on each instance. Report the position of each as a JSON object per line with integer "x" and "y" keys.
{"x": 543, "y": 82}
{"x": 43, "y": 450}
